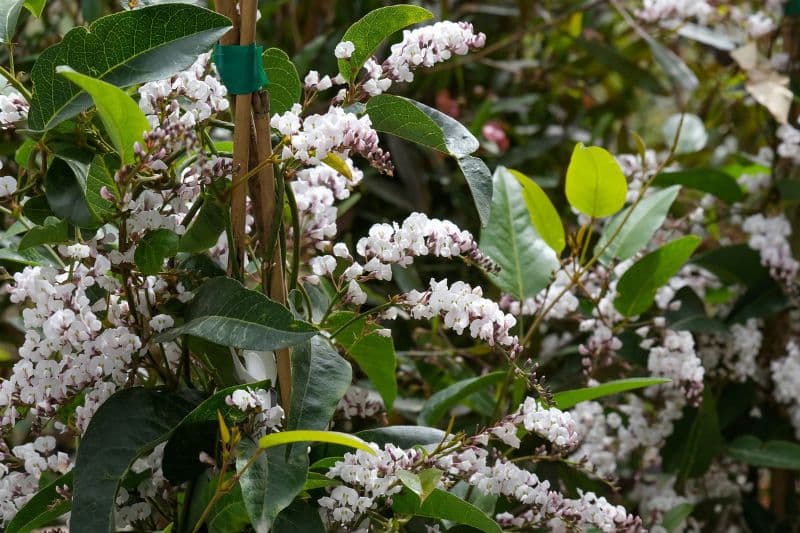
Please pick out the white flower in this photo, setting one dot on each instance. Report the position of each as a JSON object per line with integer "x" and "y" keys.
{"x": 161, "y": 322}
{"x": 8, "y": 185}
{"x": 344, "y": 50}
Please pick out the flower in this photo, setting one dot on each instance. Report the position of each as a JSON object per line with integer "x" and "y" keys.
{"x": 344, "y": 50}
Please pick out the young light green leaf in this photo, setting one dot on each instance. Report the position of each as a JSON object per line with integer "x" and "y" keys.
{"x": 43, "y": 508}
{"x": 429, "y": 479}
{"x": 371, "y": 30}
{"x": 542, "y": 212}
{"x": 437, "y": 405}
{"x": 53, "y": 231}
{"x": 638, "y": 285}
{"x": 444, "y": 506}
{"x": 374, "y": 353}
{"x": 35, "y": 7}
{"x": 709, "y": 180}
{"x": 771, "y": 454}
{"x": 155, "y": 247}
{"x": 226, "y": 313}
{"x": 284, "y": 84}
{"x": 510, "y": 239}
{"x": 595, "y": 183}
{"x": 308, "y": 435}
{"x": 646, "y": 217}
{"x": 569, "y": 398}
{"x": 338, "y": 164}
{"x": 112, "y": 49}
{"x": 124, "y": 122}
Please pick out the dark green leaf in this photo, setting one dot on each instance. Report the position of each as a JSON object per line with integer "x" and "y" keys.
{"x": 127, "y": 425}
{"x": 101, "y": 175}
{"x": 510, "y": 239}
{"x": 695, "y": 440}
{"x": 153, "y": 249}
{"x": 205, "y": 228}
{"x": 374, "y": 353}
{"x": 64, "y": 189}
{"x": 371, "y": 30}
{"x": 771, "y": 454}
{"x": 479, "y": 180}
{"x": 43, "y": 508}
{"x": 708, "y": 180}
{"x": 437, "y": 405}
{"x": 734, "y": 264}
{"x": 115, "y": 49}
{"x": 673, "y": 518}
{"x": 444, "y": 506}
{"x": 299, "y": 517}
{"x": 638, "y": 285}
{"x": 320, "y": 377}
{"x": 284, "y": 85}
{"x": 567, "y": 399}
{"x": 225, "y": 312}
{"x": 37, "y": 209}
{"x": 691, "y": 315}
{"x": 54, "y": 231}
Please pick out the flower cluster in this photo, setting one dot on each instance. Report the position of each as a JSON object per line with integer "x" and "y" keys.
{"x": 359, "y": 403}
{"x": 258, "y": 401}
{"x": 768, "y": 236}
{"x": 789, "y": 147}
{"x": 676, "y": 359}
{"x": 670, "y": 13}
{"x": 13, "y": 109}
{"x": 786, "y": 377}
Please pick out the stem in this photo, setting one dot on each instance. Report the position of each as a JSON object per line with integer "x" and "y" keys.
{"x": 359, "y": 316}
{"x": 295, "y": 271}
{"x": 14, "y": 82}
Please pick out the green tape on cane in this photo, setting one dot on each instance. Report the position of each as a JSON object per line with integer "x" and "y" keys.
{"x": 240, "y": 67}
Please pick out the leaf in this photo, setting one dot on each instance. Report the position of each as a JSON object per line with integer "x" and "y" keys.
{"x": 271, "y": 483}
{"x": 734, "y": 264}
{"x": 43, "y": 508}
{"x": 695, "y": 440}
{"x": 122, "y": 49}
{"x": 226, "y": 313}
{"x": 692, "y": 137}
{"x": 570, "y": 398}
{"x": 227, "y": 515}
{"x": 638, "y": 285}
{"x": 444, "y": 506}
{"x": 673, "y": 518}
{"x": 128, "y": 424}
{"x": 401, "y": 436}
{"x": 65, "y": 192}
{"x": 37, "y": 210}
{"x": 53, "y": 231}
{"x": 706, "y": 35}
{"x": 197, "y": 432}
{"x": 35, "y": 7}
{"x": 676, "y": 70}
{"x": 422, "y": 484}
{"x": 372, "y": 29}
{"x": 420, "y": 124}
{"x": 300, "y": 516}
{"x": 9, "y": 14}
{"x": 374, "y": 353}
{"x": 284, "y": 85}
{"x": 630, "y": 71}
{"x": 124, "y": 122}
{"x": 338, "y": 164}
{"x": 691, "y": 315}
{"x": 510, "y": 239}
{"x": 153, "y": 249}
{"x": 708, "y": 180}
{"x": 771, "y": 454}
{"x": 437, "y": 405}
{"x": 542, "y": 212}
{"x": 644, "y": 220}
{"x": 307, "y": 435}
{"x": 101, "y": 175}
{"x": 320, "y": 377}
{"x": 205, "y": 228}
{"x": 479, "y": 180}
{"x": 595, "y": 183}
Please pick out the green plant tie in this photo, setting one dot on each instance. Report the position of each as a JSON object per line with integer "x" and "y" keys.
{"x": 240, "y": 67}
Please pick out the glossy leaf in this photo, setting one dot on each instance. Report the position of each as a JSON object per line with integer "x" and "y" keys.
{"x": 638, "y": 285}
{"x": 510, "y": 239}
{"x": 708, "y": 180}
{"x": 320, "y": 377}
{"x": 771, "y": 454}
{"x": 284, "y": 84}
{"x": 437, "y": 405}
{"x": 154, "y": 248}
{"x": 570, "y": 398}
{"x": 479, "y": 181}
{"x": 65, "y": 191}
{"x": 542, "y": 212}
{"x": 371, "y": 30}
{"x": 644, "y": 220}
{"x": 9, "y": 14}
{"x": 125, "y": 426}
{"x": 226, "y": 313}
{"x": 114, "y": 49}
{"x": 374, "y": 353}
{"x": 595, "y": 183}
{"x": 205, "y": 228}
{"x": 444, "y": 506}
{"x": 43, "y": 508}
{"x": 53, "y": 231}
{"x": 124, "y": 122}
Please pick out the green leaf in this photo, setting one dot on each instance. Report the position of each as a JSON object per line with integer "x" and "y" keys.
{"x": 673, "y": 518}
{"x": 510, "y": 239}
{"x": 595, "y": 183}
{"x": 284, "y": 85}
{"x": 372, "y": 29}
{"x": 9, "y": 14}
{"x": 569, "y": 398}
{"x": 53, "y": 231}
{"x": 197, "y": 432}
{"x": 300, "y": 516}
{"x": 125, "y": 426}
{"x": 401, "y": 436}
{"x": 638, "y": 285}
{"x": 679, "y": 74}
{"x": 437, "y": 405}
{"x": 630, "y": 71}
{"x": 709, "y": 180}
{"x": 101, "y": 175}
{"x": 227, "y": 515}
{"x": 271, "y": 483}
{"x": 479, "y": 181}
{"x": 124, "y": 122}
{"x": 37, "y": 209}
{"x": 320, "y": 377}
{"x": 374, "y": 353}
{"x": 153, "y": 249}
{"x": 734, "y": 264}
{"x": 695, "y": 440}
{"x": 122, "y": 49}
{"x": 205, "y": 228}
{"x": 543, "y": 214}
{"x": 421, "y": 484}
{"x": 771, "y": 454}
{"x": 418, "y": 123}
{"x": 43, "y": 508}
{"x": 308, "y": 435}
{"x": 65, "y": 191}
{"x": 226, "y": 313}
{"x": 35, "y": 7}
{"x": 645, "y": 218}
{"x": 444, "y": 506}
